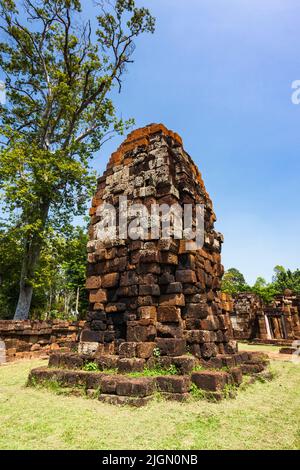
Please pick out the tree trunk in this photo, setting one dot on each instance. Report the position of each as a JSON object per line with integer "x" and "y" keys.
{"x": 77, "y": 302}
{"x": 31, "y": 258}
{"x": 24, "y": 302}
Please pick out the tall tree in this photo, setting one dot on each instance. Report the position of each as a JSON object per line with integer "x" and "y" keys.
{"x": 286, "y": 279}
{"x": 59, "y": 283}
{"x": 10, "y": 261}
{"x": 59, "y": 78}
{"x": 266, "y": 291}
{"x": 234, "y": 282}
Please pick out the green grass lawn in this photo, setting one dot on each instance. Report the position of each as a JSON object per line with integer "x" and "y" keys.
{"x": 264, "y": 416}
{"x": 259, "y": 347}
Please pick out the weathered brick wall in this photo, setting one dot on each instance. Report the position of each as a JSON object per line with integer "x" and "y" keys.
{"x": 155, "y": 291}
{"x": 25, "y": 339}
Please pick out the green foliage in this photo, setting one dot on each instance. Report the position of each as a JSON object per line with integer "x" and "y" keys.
{"x": 111, "y": 371}
{"x": 230, "y": 391}
{"x": 59, "y": 285}
{"x": 55, "y": 386}
{"x": 172, "y": 370}
{"x": 156, "y": 352}
{"x": 282, "y": 280}
{"x": 60, "y": 111}
{"x": 196, "y": 392}
{"x": 10, "y": 269}
{"x": 286, "y": 279}
{"x": 264, "y": 290}
{"x": 198, "y": 368}
{"x": 234, "y": 282}
{"x": 155, "y": 372}
{"x": 147, "y": 372}
{"x": 60, "y": 76}
{"x": 91, "y": 367}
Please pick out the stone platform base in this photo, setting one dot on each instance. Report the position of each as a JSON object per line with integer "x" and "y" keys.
{"x": 134, "y": 382}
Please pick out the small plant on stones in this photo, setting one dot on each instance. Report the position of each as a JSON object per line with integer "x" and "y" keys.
{"x": 155, "y": 372}
{"x": 57, "y": 387}
{"x": 197, "y": 393}
{"x": 198, "y": 368}
{"x": 230, "y": 391}
{"x": 266, "y": 376}
{"x": 156, "y": 352}
{"x": 91, "y": 367}
{"x": 172, "y": 370}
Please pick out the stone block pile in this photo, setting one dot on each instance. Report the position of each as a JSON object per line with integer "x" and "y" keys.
{"x": 155, "y": 291}
{"x": 176, "y": 378}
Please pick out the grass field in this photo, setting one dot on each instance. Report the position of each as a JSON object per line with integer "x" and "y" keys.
{"x": 264, "y": 416}
{"x": 259, "y": 347}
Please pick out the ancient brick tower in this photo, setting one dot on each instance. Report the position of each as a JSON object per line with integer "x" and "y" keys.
{"x": 155, "y": 294}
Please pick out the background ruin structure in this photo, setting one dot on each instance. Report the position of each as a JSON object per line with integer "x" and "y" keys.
{"x": 33, "y": 338}
{"x": 155, "y": 292}
{"x": 253, "y": 320}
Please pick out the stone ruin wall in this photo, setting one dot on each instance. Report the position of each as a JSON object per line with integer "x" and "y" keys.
{"x": 155, "y": 293}
{"x": 252, "y": 319}
{"x": 285, "y": 307}
{"x": 27, "y": 339}
{"x": 247, "y": 308}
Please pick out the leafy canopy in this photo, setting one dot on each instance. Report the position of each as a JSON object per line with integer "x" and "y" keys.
{"x": 59, "y": 278}
{"x": 59, "y": 78}
{"x": 234, "y": 283}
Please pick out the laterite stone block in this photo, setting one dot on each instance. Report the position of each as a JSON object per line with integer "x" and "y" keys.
{"x": 211, "y": 381}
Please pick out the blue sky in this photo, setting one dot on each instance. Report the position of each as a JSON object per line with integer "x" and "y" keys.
{"x": 219, "y": 72}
